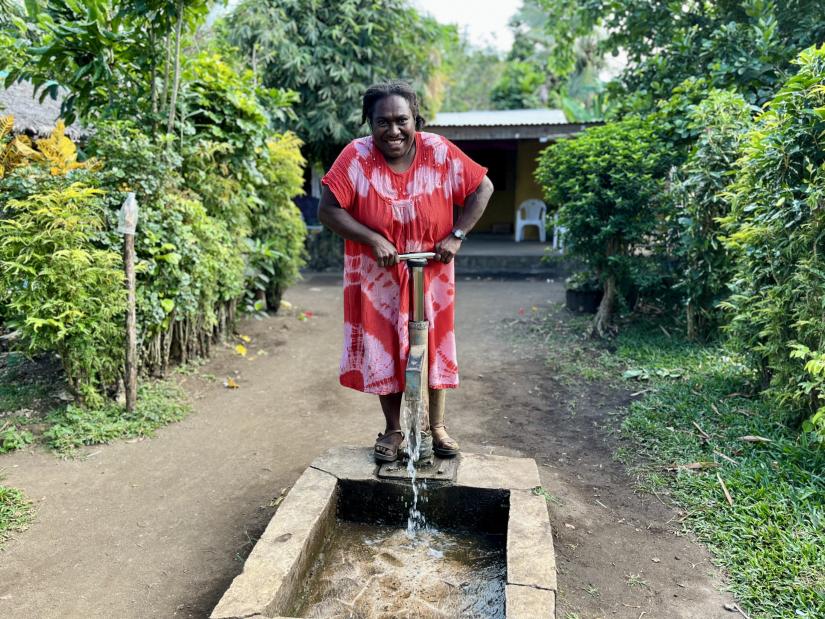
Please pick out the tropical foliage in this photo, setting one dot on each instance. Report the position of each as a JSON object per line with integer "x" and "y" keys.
{"x": 607, "y": 187}
{"x": 776, "y": 229}
{"x": 330, "y": 52}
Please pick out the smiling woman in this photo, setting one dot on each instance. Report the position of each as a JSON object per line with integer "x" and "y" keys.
{"x": 393, "y": 191}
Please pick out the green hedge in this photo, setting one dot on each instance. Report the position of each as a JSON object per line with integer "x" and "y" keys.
{"x": 777, "y": 230}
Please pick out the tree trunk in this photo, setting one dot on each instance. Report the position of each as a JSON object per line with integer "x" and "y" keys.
{"x": 153, "y": 87}
{"x": 692, "y": 322}
{"x": 164, "y": 95}
{"x": 170, "y": 124}
{"x": 603, "y": 321}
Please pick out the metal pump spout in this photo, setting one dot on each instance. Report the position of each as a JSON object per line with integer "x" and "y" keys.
{"x": 416, "y": 393}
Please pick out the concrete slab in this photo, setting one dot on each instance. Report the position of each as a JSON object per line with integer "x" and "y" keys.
{"x": 496, "y": 490}
{"x": 529, "y": 603}
{"x": 485, "y": 471}
{"x": 347, "y": 463}
{"x": 284, "y": 552}
{"x": 530, "y": 556}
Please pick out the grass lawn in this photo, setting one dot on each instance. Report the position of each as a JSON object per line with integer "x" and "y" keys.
{"x": 683, "y": 439}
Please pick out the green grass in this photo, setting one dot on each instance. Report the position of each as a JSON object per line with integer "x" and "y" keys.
{"x": 158, "y": 404}
{"x": 15, "y": 512}
{"x": 770, "y": 542}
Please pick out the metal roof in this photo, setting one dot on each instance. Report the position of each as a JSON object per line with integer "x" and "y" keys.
{"x": 499, "y": 118}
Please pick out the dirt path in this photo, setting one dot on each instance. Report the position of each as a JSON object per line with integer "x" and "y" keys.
{"x": 158, "y": 528}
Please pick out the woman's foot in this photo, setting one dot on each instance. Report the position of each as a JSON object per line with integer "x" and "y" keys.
{"x": 443, "y": 445}
{"x": 386, "y": 447}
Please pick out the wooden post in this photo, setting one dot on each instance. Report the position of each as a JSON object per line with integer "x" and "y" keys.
{"x": 127, "y": 226}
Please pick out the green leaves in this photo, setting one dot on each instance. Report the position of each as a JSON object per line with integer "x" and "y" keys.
{"x": 60, "y": 289}
{"x": 775, "y": 231}
{"x": 329, "y": 53}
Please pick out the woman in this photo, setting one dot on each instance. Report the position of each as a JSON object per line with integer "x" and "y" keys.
{"x": 388, "y": 193}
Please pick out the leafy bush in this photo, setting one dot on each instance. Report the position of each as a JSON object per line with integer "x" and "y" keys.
{"x": 277, "y": 221}
{"x": 62, "y": 292}
{"x": 698, "y": 190}
{"x": 606, "y": 185}
{"x": 189, "y": 266}
{"x": 13, "y": 438}
{"x": 776, "y": 230}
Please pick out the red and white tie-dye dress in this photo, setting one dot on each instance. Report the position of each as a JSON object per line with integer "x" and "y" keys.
{"x": 413, "y": 210}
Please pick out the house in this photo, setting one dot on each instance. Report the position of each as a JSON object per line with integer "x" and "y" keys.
{"x": 33, "y": 117}
{"x": 507, "y": 142}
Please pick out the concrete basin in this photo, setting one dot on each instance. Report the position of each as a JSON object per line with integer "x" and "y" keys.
{"x": 491, "y": 494}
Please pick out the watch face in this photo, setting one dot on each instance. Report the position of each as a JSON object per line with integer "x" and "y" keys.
{"x": 459, "y": 234}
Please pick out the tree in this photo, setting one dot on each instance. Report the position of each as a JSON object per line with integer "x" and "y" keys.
{"x": 699, "y": 190}
{"x": 106, "y": 55}
{"x": 745, "y": 45}
{"x": 607, "y": 185}
{"x": 469, "y": 76}
{"x": 532, "y": 78}
{"x": 330, "y": 52}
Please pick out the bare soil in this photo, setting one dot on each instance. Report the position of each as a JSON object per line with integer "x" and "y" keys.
{"x": 159, "y": 527}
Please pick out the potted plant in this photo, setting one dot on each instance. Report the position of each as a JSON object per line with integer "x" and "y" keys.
{"x": 583, "y": 292}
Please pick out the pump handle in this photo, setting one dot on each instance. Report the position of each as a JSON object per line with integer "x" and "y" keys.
{"x": 423, "y": 255}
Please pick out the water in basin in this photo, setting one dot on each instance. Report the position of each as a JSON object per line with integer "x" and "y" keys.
{"x": 369, "y": 571}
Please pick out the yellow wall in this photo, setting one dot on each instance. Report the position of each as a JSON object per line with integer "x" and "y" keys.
{"x": 501, "y": 211}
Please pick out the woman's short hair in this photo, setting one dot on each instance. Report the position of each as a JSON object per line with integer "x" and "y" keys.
{"x": 376, "y": 92}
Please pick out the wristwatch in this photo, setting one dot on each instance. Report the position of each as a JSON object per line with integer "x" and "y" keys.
{"x": 459, "y": 234}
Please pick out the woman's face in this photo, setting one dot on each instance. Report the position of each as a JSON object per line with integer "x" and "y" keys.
{"x": 393, "y": 127}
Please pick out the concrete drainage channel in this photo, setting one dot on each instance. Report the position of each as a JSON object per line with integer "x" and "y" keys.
{"x": 486, "y": 495}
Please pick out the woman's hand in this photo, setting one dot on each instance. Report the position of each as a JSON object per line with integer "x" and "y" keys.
{"x": 384, "y": 252}
{"x": 447, "y": 248}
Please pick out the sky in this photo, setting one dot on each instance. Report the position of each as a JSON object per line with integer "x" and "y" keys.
{"x": 485, "y": 20}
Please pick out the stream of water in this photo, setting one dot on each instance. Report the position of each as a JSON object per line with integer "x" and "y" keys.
{"x": 411, "y": 411}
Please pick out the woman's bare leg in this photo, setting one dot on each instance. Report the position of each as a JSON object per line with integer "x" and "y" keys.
{"x": 445, "y": 445}
{"x": 391, "y": 407}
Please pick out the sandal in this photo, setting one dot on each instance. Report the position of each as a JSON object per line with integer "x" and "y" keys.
{"x": 445, "y": 447}
{"x": 384, "y": 452}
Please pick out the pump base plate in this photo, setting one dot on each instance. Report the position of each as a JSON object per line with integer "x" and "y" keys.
{"x": 441, "y": 469}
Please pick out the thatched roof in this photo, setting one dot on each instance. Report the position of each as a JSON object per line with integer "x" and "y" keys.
{"x": 32, "y": 117}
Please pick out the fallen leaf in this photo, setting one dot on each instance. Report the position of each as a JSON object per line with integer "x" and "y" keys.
{"x": 240, "y": 349}
{"x": 569, "y": 526}
{"x": 637, "y": 374}
{"x": 230, "y": 383}
{"x": 656, "y": 559}
{"x": 694, "y": 466}
{"x": 285, "y": 305}
{"x": 308, "y": 314}
{"x": 245, "y": 338}
{"x": 752, "y": 438}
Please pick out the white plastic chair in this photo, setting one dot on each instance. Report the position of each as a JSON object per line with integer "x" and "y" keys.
{"x": 531, "y": 213}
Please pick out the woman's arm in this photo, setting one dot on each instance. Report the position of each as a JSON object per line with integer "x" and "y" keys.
{"x": 342, "y": 223}
{"x": 474, "y": 207}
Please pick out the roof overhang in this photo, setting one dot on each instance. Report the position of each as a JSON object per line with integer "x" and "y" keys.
{"x": 542, "y": 133}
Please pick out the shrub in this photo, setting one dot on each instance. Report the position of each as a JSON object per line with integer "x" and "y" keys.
{"x": 777, "y": 231}
{"x": 62, "y": 292}
{"x": 606, "y": 185}
{"x": 190, "y": 272}
{"x": 277, "y": 221}
{"x": 698, "y": 190}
